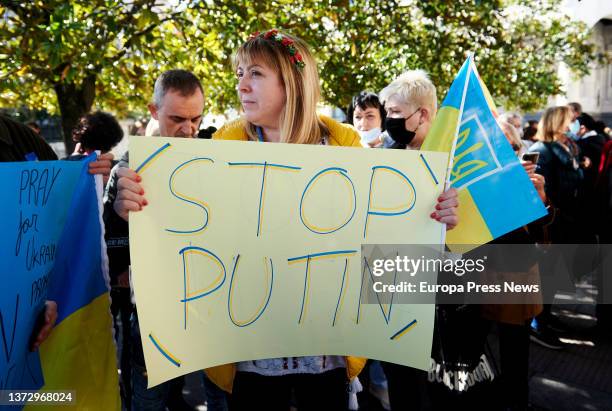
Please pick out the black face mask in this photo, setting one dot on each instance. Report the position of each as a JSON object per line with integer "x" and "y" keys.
{"x": 396, "y": 127}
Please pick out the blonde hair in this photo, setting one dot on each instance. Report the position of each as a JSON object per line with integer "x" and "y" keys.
{"x": 299, "y": 122}
{"x": 511, "y": 132}
{"x": 552, "y": 123}
{"x": 413, "y": 88}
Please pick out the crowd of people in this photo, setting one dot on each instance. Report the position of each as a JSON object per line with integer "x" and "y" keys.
{"x": 567, "y": 156}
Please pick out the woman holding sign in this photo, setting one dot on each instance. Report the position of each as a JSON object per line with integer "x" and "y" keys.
{"x": 278, "y": 86}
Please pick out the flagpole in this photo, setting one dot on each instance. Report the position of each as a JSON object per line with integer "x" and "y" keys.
{"x": 451, "y": 158}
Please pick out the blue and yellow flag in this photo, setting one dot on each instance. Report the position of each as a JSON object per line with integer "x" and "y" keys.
{"x": 80, "y": 354}
{"x": 495, "y": 193}
{"x": 53, "y": 249}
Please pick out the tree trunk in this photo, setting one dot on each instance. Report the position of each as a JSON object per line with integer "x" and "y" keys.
{"x": 74, "y": 101}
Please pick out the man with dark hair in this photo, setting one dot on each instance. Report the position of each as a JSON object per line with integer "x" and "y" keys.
{"x": 178, "y": 103}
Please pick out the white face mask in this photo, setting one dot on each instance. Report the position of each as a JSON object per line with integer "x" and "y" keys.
{"x": 369, "y": 136}
{"x": 574, "y": 127}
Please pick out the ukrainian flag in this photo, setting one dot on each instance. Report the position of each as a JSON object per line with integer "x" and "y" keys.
{"x": 495, "y": 194}
{"x": 80, "y": 353}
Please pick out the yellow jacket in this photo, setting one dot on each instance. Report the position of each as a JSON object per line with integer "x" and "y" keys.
{"x": 340, "y": 135}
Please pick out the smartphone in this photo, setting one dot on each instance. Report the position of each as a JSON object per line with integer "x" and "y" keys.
{"x": 531, "y": 157}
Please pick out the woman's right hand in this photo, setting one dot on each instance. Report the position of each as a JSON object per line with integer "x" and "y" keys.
{"x": 539, "y": 183}
{"x": 130, "y": 194}
{"x": 529, "y": 167}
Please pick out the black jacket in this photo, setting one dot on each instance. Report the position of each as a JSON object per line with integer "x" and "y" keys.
{"x": 562, "y": 173}
{"x": 563, "y": 184}
{"x": 591, "y": 147}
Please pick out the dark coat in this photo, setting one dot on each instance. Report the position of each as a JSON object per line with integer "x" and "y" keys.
{"x": 564, "y": 180}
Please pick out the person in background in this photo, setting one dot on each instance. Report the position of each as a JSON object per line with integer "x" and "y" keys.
{"x": 513, "y": 319}
{"x": 20, "y": 143}
{"x": 604, "y": 201}
{"x": 101, "y": 131}
{"x": 96, "y": 131}
{"x": 411, "y": 105}
{"x": 34, "y": 126}
{"x": 559, "y": 165}
{"x": 591, "y": 145}
{"x": 513, "y": 137}
{"x": 529, "y": 133}
{"x": 575, "y": 112}
{"x": 367, "y": 115}
{"x": 515, "y": 119}
{"x": 139, "y": 127}
{"x": 177, "y": 106}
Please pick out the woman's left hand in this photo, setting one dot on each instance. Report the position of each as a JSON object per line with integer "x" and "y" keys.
{"x": 446, "y": 209}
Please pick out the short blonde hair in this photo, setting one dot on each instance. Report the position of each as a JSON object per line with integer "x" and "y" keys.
{"x": 552, "y": 123}
{"x": 413, "y": 88}
{"x": 299, "y": 122}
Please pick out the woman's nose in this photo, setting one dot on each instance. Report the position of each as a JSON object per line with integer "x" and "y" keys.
{"x": 243, "y": 84}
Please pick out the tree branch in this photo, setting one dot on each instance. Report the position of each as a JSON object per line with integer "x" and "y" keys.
{"x": 150, "y": 28}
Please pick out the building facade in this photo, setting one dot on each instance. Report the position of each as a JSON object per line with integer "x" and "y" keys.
{"x": 594, "y": 91}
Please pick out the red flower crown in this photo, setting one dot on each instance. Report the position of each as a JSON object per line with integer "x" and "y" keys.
{"x": 273, "y": 35}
